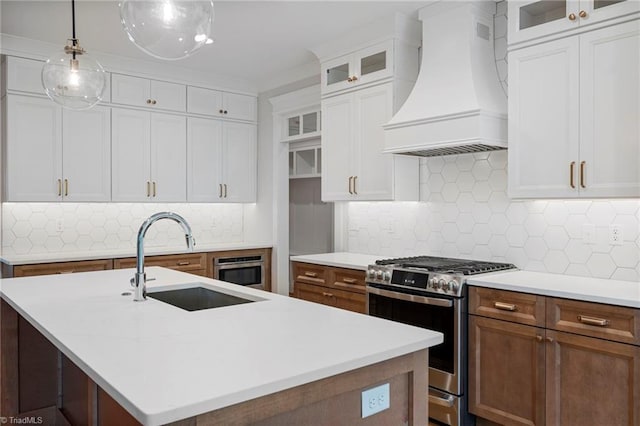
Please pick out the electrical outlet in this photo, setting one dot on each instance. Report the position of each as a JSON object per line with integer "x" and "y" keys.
{"x": 589, "y": 233}
{"x": 60, "y": 225}
{"x": 375, "y": 400}
{"x": 615, "y": 235}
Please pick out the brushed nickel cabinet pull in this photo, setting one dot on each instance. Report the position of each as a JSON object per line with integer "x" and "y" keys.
{"x": 350, "y": 179}
{"x": 148, "y": 101}
{"x": 539, "y": 338}
{"x": 310, "y": 274}
{"x": 154, "y": 188}
{"x": 219, "y": 190}
{"x": 582, "y": 166}
{"x": 327, "y": 294}
{"x": 59, "y": 187}
{"x": 184, "y": 263}
{"x": 225, "y": 190}
{"x": 350, "y": 280}
{"x": 599, "y": 322}
{"x": 354, "y": 185}
{"x": 572, "y": 16}
{"x": 505, "y": 306}
{"x": 572, "y": 182}
{"x": 148, "y": 189}
{"x": 549, "y": 339}
{"x": 71, "y": 271}
{"x": 66, "y": 187}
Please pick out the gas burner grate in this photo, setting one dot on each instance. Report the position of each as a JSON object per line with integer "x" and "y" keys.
{"x": 447, "y": 265}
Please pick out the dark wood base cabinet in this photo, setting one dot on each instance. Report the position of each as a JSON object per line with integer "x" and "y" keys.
{"x": 537, "y": 375}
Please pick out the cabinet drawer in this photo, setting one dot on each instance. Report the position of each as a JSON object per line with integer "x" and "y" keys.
{"x": 348, "y": 300}
{"x": 62, "y": 268}
{"x": 312, "y": 293}
{"x": 522, "y": 308}
{"x": 615, "y": 323}
{"x": 307, "y": 272}
{"x": 349, "y": 279}
{"x": 194, "y": 263}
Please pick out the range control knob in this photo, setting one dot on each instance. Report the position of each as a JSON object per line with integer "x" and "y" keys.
{"x": 434, "y": 283}
{"x": 453, "y": 286}
{"x": 442, "y": 284}
{"x": 386, "y": 275}
{"x": 379, "y": 275}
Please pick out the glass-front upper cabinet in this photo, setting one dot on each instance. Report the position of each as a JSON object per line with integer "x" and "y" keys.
{"x": 540, "y": 18}
{"x": 361, "y": 67}
{"x": 302, "y": 126}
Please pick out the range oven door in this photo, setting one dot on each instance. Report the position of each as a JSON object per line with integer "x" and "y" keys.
{"x": 436, "y": 313}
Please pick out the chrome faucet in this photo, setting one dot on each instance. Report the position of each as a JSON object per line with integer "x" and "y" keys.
{"x": 140, "y": 278}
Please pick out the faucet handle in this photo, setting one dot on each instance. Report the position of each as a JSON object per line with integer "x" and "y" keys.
{"x": 132, "y": 281}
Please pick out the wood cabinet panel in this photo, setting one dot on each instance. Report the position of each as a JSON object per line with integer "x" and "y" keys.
{"x": 338, "y": 287}
{"x": 591, "y": 381}
{"x": 507, "y": 305}
{"x": 62, "y": 267}
{"x": 615, "y": 323}
{"x": 193, "y": 263}
{"x": 506, "y": 371}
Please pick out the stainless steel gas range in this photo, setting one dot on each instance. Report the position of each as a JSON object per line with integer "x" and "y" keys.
{"x": 430, "y": 292}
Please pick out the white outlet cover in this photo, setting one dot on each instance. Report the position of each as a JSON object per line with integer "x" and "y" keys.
{"x": 375, "y": 400}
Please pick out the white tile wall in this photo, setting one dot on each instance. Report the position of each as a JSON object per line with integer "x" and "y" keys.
{"x": 32, "y": 228}
{"x": 464, "y": 212}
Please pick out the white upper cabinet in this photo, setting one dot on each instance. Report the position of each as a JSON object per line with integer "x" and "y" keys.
{"x": 354, "y": 167}
{"x": 574, "y": 105}
{"x": 53, "y": 154}
{"x": 358, "y": 68}
{"x": 542, "y": 18}
{"x": 148, "y": 156}
{"x": 142, "y": 92}
{"x": 216, "y": 103}
{"x": 25, "y": 75}
{"x": 222, "y": 161}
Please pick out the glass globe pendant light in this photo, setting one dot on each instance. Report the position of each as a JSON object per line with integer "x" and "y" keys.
{"x": 167, "y": 29}
{"x": 72, "y": 78}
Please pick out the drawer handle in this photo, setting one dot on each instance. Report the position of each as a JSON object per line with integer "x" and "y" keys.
{"x": 599, "y": 322}
{"x": 71, "y": 271}
{"x": 327, "y": 294}
{"x": 311, "y": 274}
{"x": 505, "y": 306}
{"x": 539, "y": 338}
{"x": 350, "y": 280}
{"x": 185, "y": 263}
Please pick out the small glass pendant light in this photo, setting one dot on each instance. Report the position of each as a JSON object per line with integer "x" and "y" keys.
{"x": 71, "y": 77}
{"x": 168, "y": 29}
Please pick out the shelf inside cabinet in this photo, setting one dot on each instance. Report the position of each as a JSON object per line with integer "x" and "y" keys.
{"x": 304, "y": 162}
{"x": 541, "y": 12}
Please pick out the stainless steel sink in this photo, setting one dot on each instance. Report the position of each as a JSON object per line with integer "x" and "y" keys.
{"x": 196, "y": 298}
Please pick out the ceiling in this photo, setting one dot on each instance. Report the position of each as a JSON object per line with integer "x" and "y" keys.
{"x": 256, "y": 41}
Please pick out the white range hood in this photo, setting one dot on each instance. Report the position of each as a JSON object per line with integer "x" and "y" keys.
{"x": 457, "y": 104}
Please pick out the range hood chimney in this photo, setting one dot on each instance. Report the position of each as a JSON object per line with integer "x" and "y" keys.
{"x": 457, "y": 104}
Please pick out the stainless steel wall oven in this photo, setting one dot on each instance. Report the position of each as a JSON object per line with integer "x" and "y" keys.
{"x": 242, "y": 270}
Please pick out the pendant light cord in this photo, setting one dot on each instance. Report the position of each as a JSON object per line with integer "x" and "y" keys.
{"x": 73, "y": 26}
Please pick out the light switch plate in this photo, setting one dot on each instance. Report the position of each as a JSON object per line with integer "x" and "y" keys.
{"x": 375, "y": 400}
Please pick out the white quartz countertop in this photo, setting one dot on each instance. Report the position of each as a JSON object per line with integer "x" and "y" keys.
{"x": 27, "y": 259}
{"x": 614, "y": 292}
{"x": 163, "y": 363}
{"x": 339, "y": 259}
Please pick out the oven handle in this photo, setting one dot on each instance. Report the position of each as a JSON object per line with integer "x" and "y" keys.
{"x": 444, "y": 401}
{"x": 239, "y": 265}
{"x": 411, "y": 297}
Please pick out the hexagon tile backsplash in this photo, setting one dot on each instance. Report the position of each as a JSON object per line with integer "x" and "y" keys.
{"x": 36, "y": 228}
{"x": 464, "y": 212}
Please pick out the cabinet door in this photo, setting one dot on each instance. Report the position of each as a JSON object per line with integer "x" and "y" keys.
{"x": 33, "y": 152}
{"x": 204, "y": 153}
{"x": 168, "y": 158}
{"x": 591, "y": 381}
{"x": 533, "y": 19}
{"x": 337, "y": 147}
{"x": 86, "y": 156}
{"x": 374, "y": 63}
{"x": 204, "y": 101}
{"x": 129, "y": 90}
{"x": 374, "y": 177}
{"x": 24, "y": 75}
{"x": 130, "y": 153}
{"x": 610, "y": 110}
{"x": 600, "y": 10}
{"x": 240, "y": 107}
{"x": 349, "y": 300}
{"x": 506, "y": 371}
{"x": 239, "y": 162}
{"x": 543, "y": 120}
{"x": 336, "y": 74}
{"x": 169, "y": 96}
{"x": 313, "y": 293}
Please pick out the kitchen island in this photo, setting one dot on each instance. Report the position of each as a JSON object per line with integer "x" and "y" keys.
{"x": 275, "y": 360}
